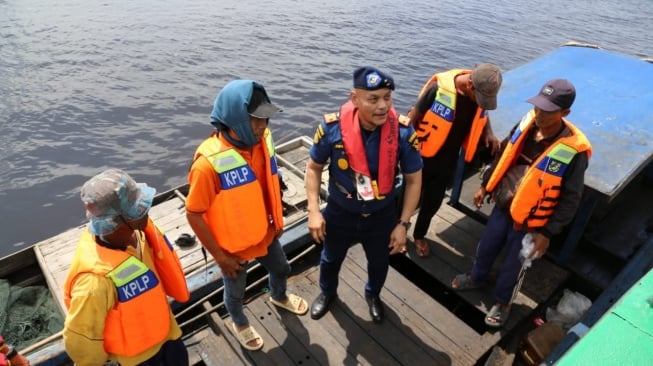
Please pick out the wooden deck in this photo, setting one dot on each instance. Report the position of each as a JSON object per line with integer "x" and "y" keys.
{"x": 453, "y": 238}
{"x": 55, "y": 254}
{"x": 417, "y": 330}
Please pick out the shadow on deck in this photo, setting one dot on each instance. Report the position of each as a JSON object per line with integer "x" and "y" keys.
{"x": 417, "y": 330}
{"x": 426, "y": 323}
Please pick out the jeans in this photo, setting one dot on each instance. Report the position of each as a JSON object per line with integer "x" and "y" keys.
{"x": 498, "y": 234}
{"x": 343, "y": 229}
{"x": 276, "y": 263}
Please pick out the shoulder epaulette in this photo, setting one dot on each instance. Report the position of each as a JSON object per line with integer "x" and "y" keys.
{"x": 332, "y": 117}
{"x": 404, "y": 120}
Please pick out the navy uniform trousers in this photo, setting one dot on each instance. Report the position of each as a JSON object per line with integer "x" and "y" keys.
{"x": 343, "y": 229}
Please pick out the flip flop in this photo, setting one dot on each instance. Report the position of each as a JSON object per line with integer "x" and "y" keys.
{"x": 247, "y": 335}
{"x": 499, "y": 316}
{"x": 464, "y": 282}
{"x": 422, "y": 248}
{"x": 292, "y": 305}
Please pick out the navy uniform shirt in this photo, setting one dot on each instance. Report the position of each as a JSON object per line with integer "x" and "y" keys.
{"x": 328, "y": 147}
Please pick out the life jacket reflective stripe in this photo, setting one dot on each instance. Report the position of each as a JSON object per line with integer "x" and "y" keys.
{"x": 538, "y": 192}
{"x": 436, "y": 124}
{"x": 352, "y": 139}
{"x": 239, "y": 215}
{"x": 140, "y": 318}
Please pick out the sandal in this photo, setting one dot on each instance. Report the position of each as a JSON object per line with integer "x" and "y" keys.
{"x": 464, "y": 282}
{"x": 293, "y": 304}
{"x": 422, "y": 248}
{"x": 496, "y": 317}
{"x": 247, "y": 335}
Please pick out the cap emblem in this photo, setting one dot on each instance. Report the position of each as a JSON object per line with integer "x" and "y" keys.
{"x": 547, "y": 90}
{"x": 373, "y": 79}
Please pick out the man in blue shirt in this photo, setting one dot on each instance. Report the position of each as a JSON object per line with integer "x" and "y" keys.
{"x": 369, "y": 148}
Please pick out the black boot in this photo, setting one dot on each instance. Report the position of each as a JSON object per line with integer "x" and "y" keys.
{"x": 320, "y": 305}
{"x": 376, "y": 308}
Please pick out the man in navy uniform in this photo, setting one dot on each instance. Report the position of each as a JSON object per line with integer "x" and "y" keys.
{"x": 368, "y": 147}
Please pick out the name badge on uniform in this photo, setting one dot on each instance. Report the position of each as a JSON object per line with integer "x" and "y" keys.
{"x": 364, "y": 187}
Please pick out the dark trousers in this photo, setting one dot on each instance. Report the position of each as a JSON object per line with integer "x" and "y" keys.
{"x": 172, "y": 353}
{"x": 499, "y": 233}
{"x": 436, "y": 177}
{"x": 343, "y": 229}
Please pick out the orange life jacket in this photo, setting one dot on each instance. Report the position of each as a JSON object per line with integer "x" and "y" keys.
{"x": 350, "y": 130}
{"x": 167, "y": 263}
{"x": 434, "y": 128}
{"x": 239, "y": 216}
{"x": 537, "y": 194}
{"x": 140, "y": 318}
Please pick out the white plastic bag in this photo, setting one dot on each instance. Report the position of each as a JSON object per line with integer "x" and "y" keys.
{"x": 571, "y": 307}
{"x": 527, "y": 244}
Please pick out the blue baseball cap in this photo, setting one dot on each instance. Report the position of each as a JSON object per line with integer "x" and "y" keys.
{"x": 113, "y": 197}
{"x": 370, "y": 78}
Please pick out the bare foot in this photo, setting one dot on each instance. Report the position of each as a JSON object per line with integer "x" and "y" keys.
{"x": 497, "y": 318}
{"x": 463, "y": 281}
{"x": 422, "y": 248}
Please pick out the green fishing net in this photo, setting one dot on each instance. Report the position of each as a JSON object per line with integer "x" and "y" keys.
{"x": 27, "y": 314}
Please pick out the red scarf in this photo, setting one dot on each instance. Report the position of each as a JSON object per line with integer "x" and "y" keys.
{"x": 352, "y": 138}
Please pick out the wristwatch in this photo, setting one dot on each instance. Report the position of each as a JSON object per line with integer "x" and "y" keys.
{"x": 405, "y": 224}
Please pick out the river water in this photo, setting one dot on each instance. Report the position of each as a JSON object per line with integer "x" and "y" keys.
{"x": 87, "y": 85}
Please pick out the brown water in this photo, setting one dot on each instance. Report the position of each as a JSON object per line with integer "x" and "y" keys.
{"x": 87, "y": 85}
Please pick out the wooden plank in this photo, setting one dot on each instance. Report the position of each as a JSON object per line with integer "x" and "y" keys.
{"x": 279, "y": 347}
{"x": 193, "y": 344}
{"x": 453, "y": 238}
{"x": 458, "y": 219}
{"x": 391, "y": 334}
{"x": 500, "y": 357}
{"x": 346, "y": 324}
{"x": 452, "y": 252}
{"x": 21, "y": 269}
{"x": 61, "y": 242}
{"x": 16, "y": 262}
{"x": 470, "y": 185}
{"x": 323, "y": 347}
{"x": 443, "y": 335}
{"x": 270, "y": 354}
{"x": 271, "y": 321}
{"x": 213, "y": 348}
{"x": 53, "y": 285}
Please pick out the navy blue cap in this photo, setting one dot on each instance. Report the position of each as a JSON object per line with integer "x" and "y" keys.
{"x": 556, "y": 94}
{"x": 370, "y": 78}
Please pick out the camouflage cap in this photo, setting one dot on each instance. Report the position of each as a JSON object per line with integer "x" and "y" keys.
{"x": 113, "y": 197}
